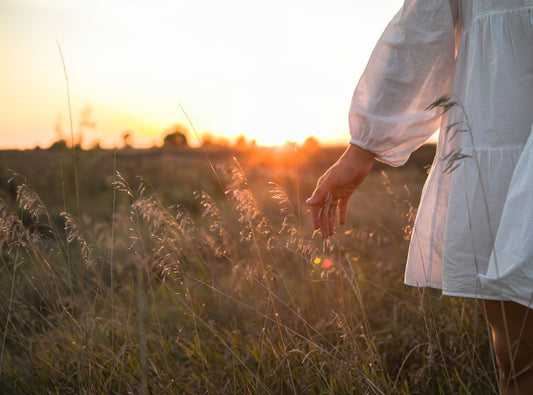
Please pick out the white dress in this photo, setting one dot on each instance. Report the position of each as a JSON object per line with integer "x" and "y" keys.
{"x": 473, "y": 234}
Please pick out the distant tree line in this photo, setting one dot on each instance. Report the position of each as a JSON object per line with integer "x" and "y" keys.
{"x": 175, "y": 136}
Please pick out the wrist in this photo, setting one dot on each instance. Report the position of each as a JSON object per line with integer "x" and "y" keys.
{"x": 360, "y": 153}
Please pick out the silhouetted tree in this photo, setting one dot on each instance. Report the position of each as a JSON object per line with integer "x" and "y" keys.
{"x": 241, "y": 143}
{"x": 175, "y": 139}
{"x": 310, "y": 145}
{"x": 127, "y": 139}
{"x": 59, "y": 145}
{"x": 207, "y": 141}
{"x": 96, "y": 145}
{"x": 176, "y": 136}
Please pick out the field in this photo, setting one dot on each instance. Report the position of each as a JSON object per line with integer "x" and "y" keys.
{"x": 197, "y": 271}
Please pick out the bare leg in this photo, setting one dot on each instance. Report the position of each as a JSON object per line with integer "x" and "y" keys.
{"x": 512, "y": 335}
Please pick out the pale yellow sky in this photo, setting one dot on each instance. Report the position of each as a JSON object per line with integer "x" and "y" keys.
{"x": 272, "y": 71}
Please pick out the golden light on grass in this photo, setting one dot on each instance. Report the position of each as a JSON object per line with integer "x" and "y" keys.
{"x": 170, "y": 281}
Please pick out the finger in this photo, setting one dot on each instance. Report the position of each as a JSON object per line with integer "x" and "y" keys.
{"x": 324, "y": 222}
{"x": 313, "y": 200}
{"x": 331, "y": 220}
{"x": 332, "y": 215}
{"x": 316, "y": 199}
{"x": 319, "y": 194}
{"x": 343, "y": 209}
{"x": 315, "y": 214}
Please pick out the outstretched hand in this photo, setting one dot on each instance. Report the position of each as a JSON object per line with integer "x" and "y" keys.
{"x": 336, "y": 185}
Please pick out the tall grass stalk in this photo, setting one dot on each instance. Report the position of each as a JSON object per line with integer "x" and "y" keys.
{"x": 222, "y": 294}
{"x": 73, "y": 145}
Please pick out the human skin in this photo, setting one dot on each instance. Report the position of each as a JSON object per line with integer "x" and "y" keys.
{"x": 510, "y": 322}
{"x": 335, "y": 187}
{"x": 512, "y": 338}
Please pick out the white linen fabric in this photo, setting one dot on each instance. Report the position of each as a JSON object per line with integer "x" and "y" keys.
{"x": 473, "y": 235}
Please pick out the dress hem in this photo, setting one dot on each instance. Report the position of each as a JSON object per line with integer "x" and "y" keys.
{"x": 456, "y": 294}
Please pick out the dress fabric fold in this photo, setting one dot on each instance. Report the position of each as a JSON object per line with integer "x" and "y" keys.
{"x": 473, "y": 235}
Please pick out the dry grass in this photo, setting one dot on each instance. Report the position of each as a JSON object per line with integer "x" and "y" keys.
{"x": 175, "y": 286}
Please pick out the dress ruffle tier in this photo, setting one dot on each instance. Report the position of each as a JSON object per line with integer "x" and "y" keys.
{"x": 473, "y": 234}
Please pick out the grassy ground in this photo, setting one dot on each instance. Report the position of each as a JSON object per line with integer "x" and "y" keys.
{"x": 165, "y": 276}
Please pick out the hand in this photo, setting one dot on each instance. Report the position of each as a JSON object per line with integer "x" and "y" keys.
{"x": 336, "y": 186}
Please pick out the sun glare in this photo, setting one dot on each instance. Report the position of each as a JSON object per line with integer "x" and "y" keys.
{"x": 275, "y": 138}
{"x": 132, "y": 62}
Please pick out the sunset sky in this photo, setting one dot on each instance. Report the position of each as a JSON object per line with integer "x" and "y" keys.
{"x": 273, "y": 70}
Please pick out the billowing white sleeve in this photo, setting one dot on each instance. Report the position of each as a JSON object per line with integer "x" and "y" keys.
{"x": 411, "y": 66}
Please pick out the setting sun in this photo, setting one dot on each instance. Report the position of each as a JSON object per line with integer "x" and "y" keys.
{"x": 272, "y": 72}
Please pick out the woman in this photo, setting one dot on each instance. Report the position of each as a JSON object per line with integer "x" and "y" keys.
{"x": 473, "y": 235}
